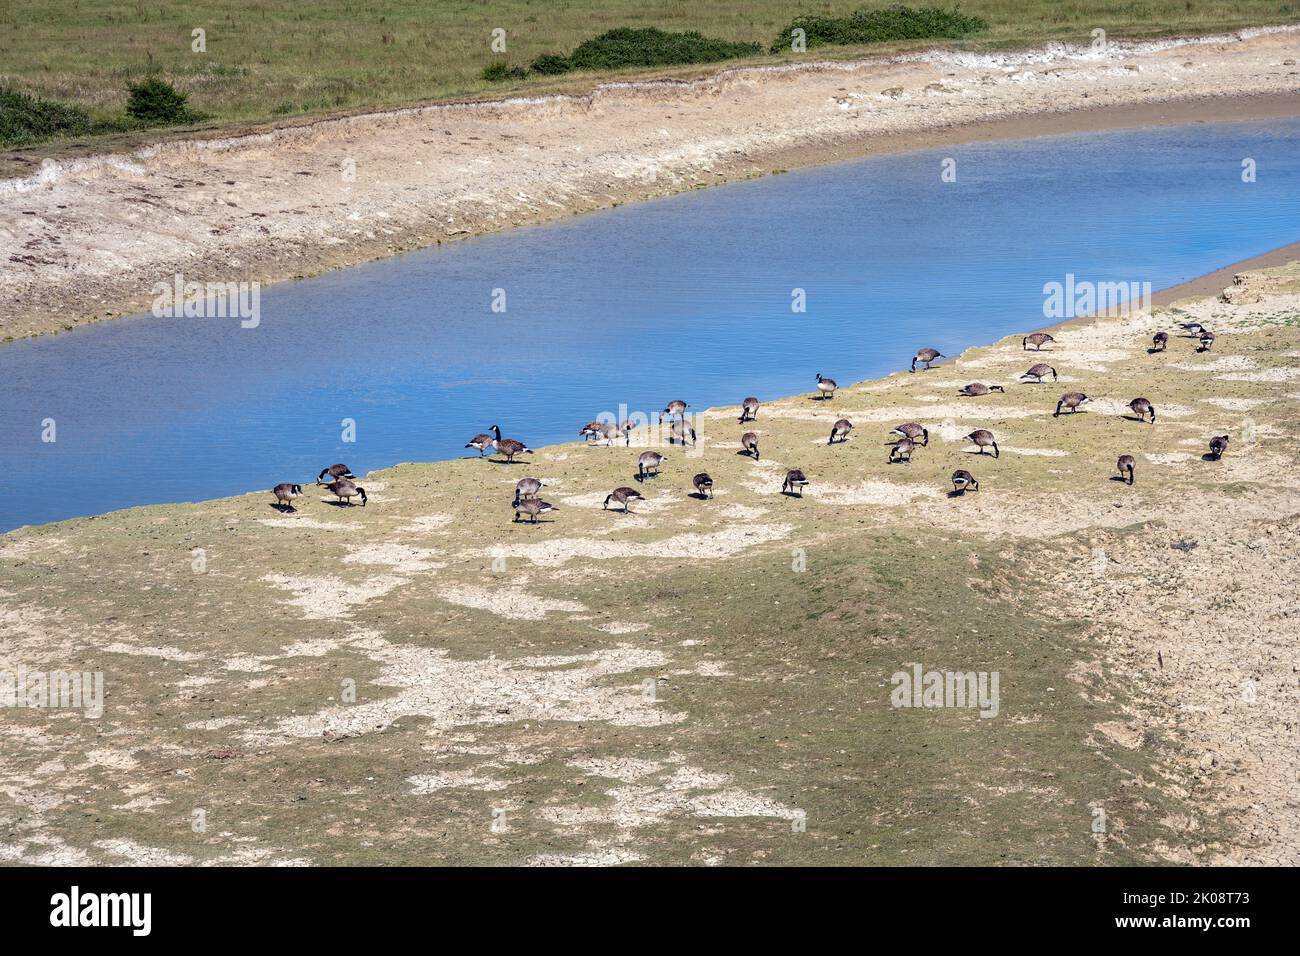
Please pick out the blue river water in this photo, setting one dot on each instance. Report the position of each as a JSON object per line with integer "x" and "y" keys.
{"x": 686, "y": 297}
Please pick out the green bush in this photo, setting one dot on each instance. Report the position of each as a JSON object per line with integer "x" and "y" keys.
{"x": 879, "y": 26}
{"x": 625, "y": 48}
{"x": 500, "y": 71}
{"x": 550, "y": 64}
{"x": 26, "y": 119}
{"x": 156, "y": 102}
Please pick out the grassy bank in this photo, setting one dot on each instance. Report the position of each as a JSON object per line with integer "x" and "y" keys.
{"x": 684, "y": 683}
{"x": 280, "y": 59}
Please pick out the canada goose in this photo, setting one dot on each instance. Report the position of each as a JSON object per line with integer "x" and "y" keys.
{"x": 509, "y": 446}
{"x": 649, "y": 461}
{"x": 679, "y": 432}
{"x": 604, "y": 431}
{"x": 531, "y": 507}
{"x": 528, "y": 487}
{"x": 1193, "y": 329}
{"x": 927, "y": 356}
{"x": 794, "y": 482}
{"x": 347, "y": 490}
{"x": 335, "y": 471}
{"x": 1142, "y": 408}
{"x": 1126, "y": 464}
{"x": 1160, "y": 341}
{"x": 912, "y": 430}
{"x": 1072, "y": 401}
{"x": 675, "y": 407}
{"x": 963, "y": 479}
{"x": 1037, "y": 340}
{"x": 590, "y": 431}
{"x": 1207, "y": 340}
{"x": 748, "y": 410}
{"x": 1039, "y": 372}
{"x": 840, "y": 431}
{"x": 1218, "y": 445}
{"x": 703, "y": 484}
{"x": 904, "y": 446}
{"x": 749, "y": 442}
{"x": 983, "y": 438}
{"x": 285, "y": 493}
{"x": 623, "y": 496}
{"x": 481, "y": 441}
{"x": 975, "y": 389}
{"x": 826, "y": 386}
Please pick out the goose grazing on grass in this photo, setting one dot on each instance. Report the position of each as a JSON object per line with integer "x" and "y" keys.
{"x": 590, "y": 431}
{"x": 927, "y": 356}
{"x": 607, "y": 432}
{"x": 623, "y": 496}
{"x": 679, "y": 432}
{"x": 482, "y": 441}
{"x": 975, "y": 389}
{"x": 1207, "y": 340}
{"x": 794, "y": 483}
{"x": 285, "y": 493}
{"x": 840, "y": 431}
{"x": 1126, "y": 465}
{"x": 1218, "y": 445}
{"x": 1142, "y": 408}
{"x": 508, "y": 447}
{"x": 1072, "y": 401}
{"x": 1193, "y": 329}
{"x": 675, "y": 407}
{"x": 1039, "y": 372}
{"x": 748, "y": 410}
{"x": 528, "y": 487}
{"x": 983, "y": 438}
{"x": 532, "y": 507}
{"x": 963, "y": 479}
{"x": 902, "y": 447}
{"x": 826, "y": 386}
{"x": 334, "y": 471}
{"x": 912, "y": 430}
{"x": 647, "y": 464}
{"x": 347, "y": 490}
{"x": 749, "y": 442}
{"x": 1159, "y": 341}
{"x": 703, "y": 485}
{"x": 1037, "y": 340}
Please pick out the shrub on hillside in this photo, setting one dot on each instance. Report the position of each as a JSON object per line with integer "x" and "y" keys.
{"x": 26, "y": 119}
{"x": 157, "y": 103}
{"x": 626, "y": 48}
{"x": 879, "y": 26}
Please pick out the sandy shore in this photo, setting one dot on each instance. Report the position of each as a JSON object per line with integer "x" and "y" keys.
{"x": 87, "y": 240}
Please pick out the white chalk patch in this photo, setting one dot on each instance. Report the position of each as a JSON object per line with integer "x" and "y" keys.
{"x": 323, "y": 598}
{"x": 511, "y": 602}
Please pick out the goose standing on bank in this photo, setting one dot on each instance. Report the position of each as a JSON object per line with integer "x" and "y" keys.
{"x": 679, "y": 432}
{"x": 647, "y": 464}
{"x": 1126, "y": 465}
{"x": 1037, "y": 340}
{"x": 1218, "y": 445}
{"x": 1072, "y": 401}
{"x": 983, "y": 438}
{"x": 1207, "y": 340}
{"x": 703, "y": 485}
{"x": 1193, "y": 329}
{"x": 529, "y": 487}
{"x": 347, "y": 490}
{"x": 795, "y": 482}
{"x": 335, "y": 471}
{"x": 840, "y": 431}
{"x": 1160, "y": 342}
{"x": 749, "y": 442}
{"x": 963, "y": 479}
{"x": 914, "y": 431}
{"x": 532, "y": 507}
{"x": 1040, "y": 371}
{"x": 826, "y": 386}
{"x": 927, "y": 356}
{"x": 674, "y": 408}
{"x": 748, "y": 410}
{"x": 976, "y": 389}
{"x": 1142, "y": 408}
{"x": 508, "y": 447}
{"x": 904, "y": 446}
{"x": 285, "y": 493}
{"x": 482, "y": 442}
{"x": 623, "y": 496}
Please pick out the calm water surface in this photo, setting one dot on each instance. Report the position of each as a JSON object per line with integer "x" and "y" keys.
{"x": 687, "y": 297}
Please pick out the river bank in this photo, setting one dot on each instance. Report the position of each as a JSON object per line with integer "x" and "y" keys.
{"x": 88, "y": 240}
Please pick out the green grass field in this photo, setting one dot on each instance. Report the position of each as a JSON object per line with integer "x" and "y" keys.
{"x": 276, "y": 58}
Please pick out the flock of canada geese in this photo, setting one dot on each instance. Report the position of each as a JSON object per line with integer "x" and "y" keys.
{"x": 906, "y": 438}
